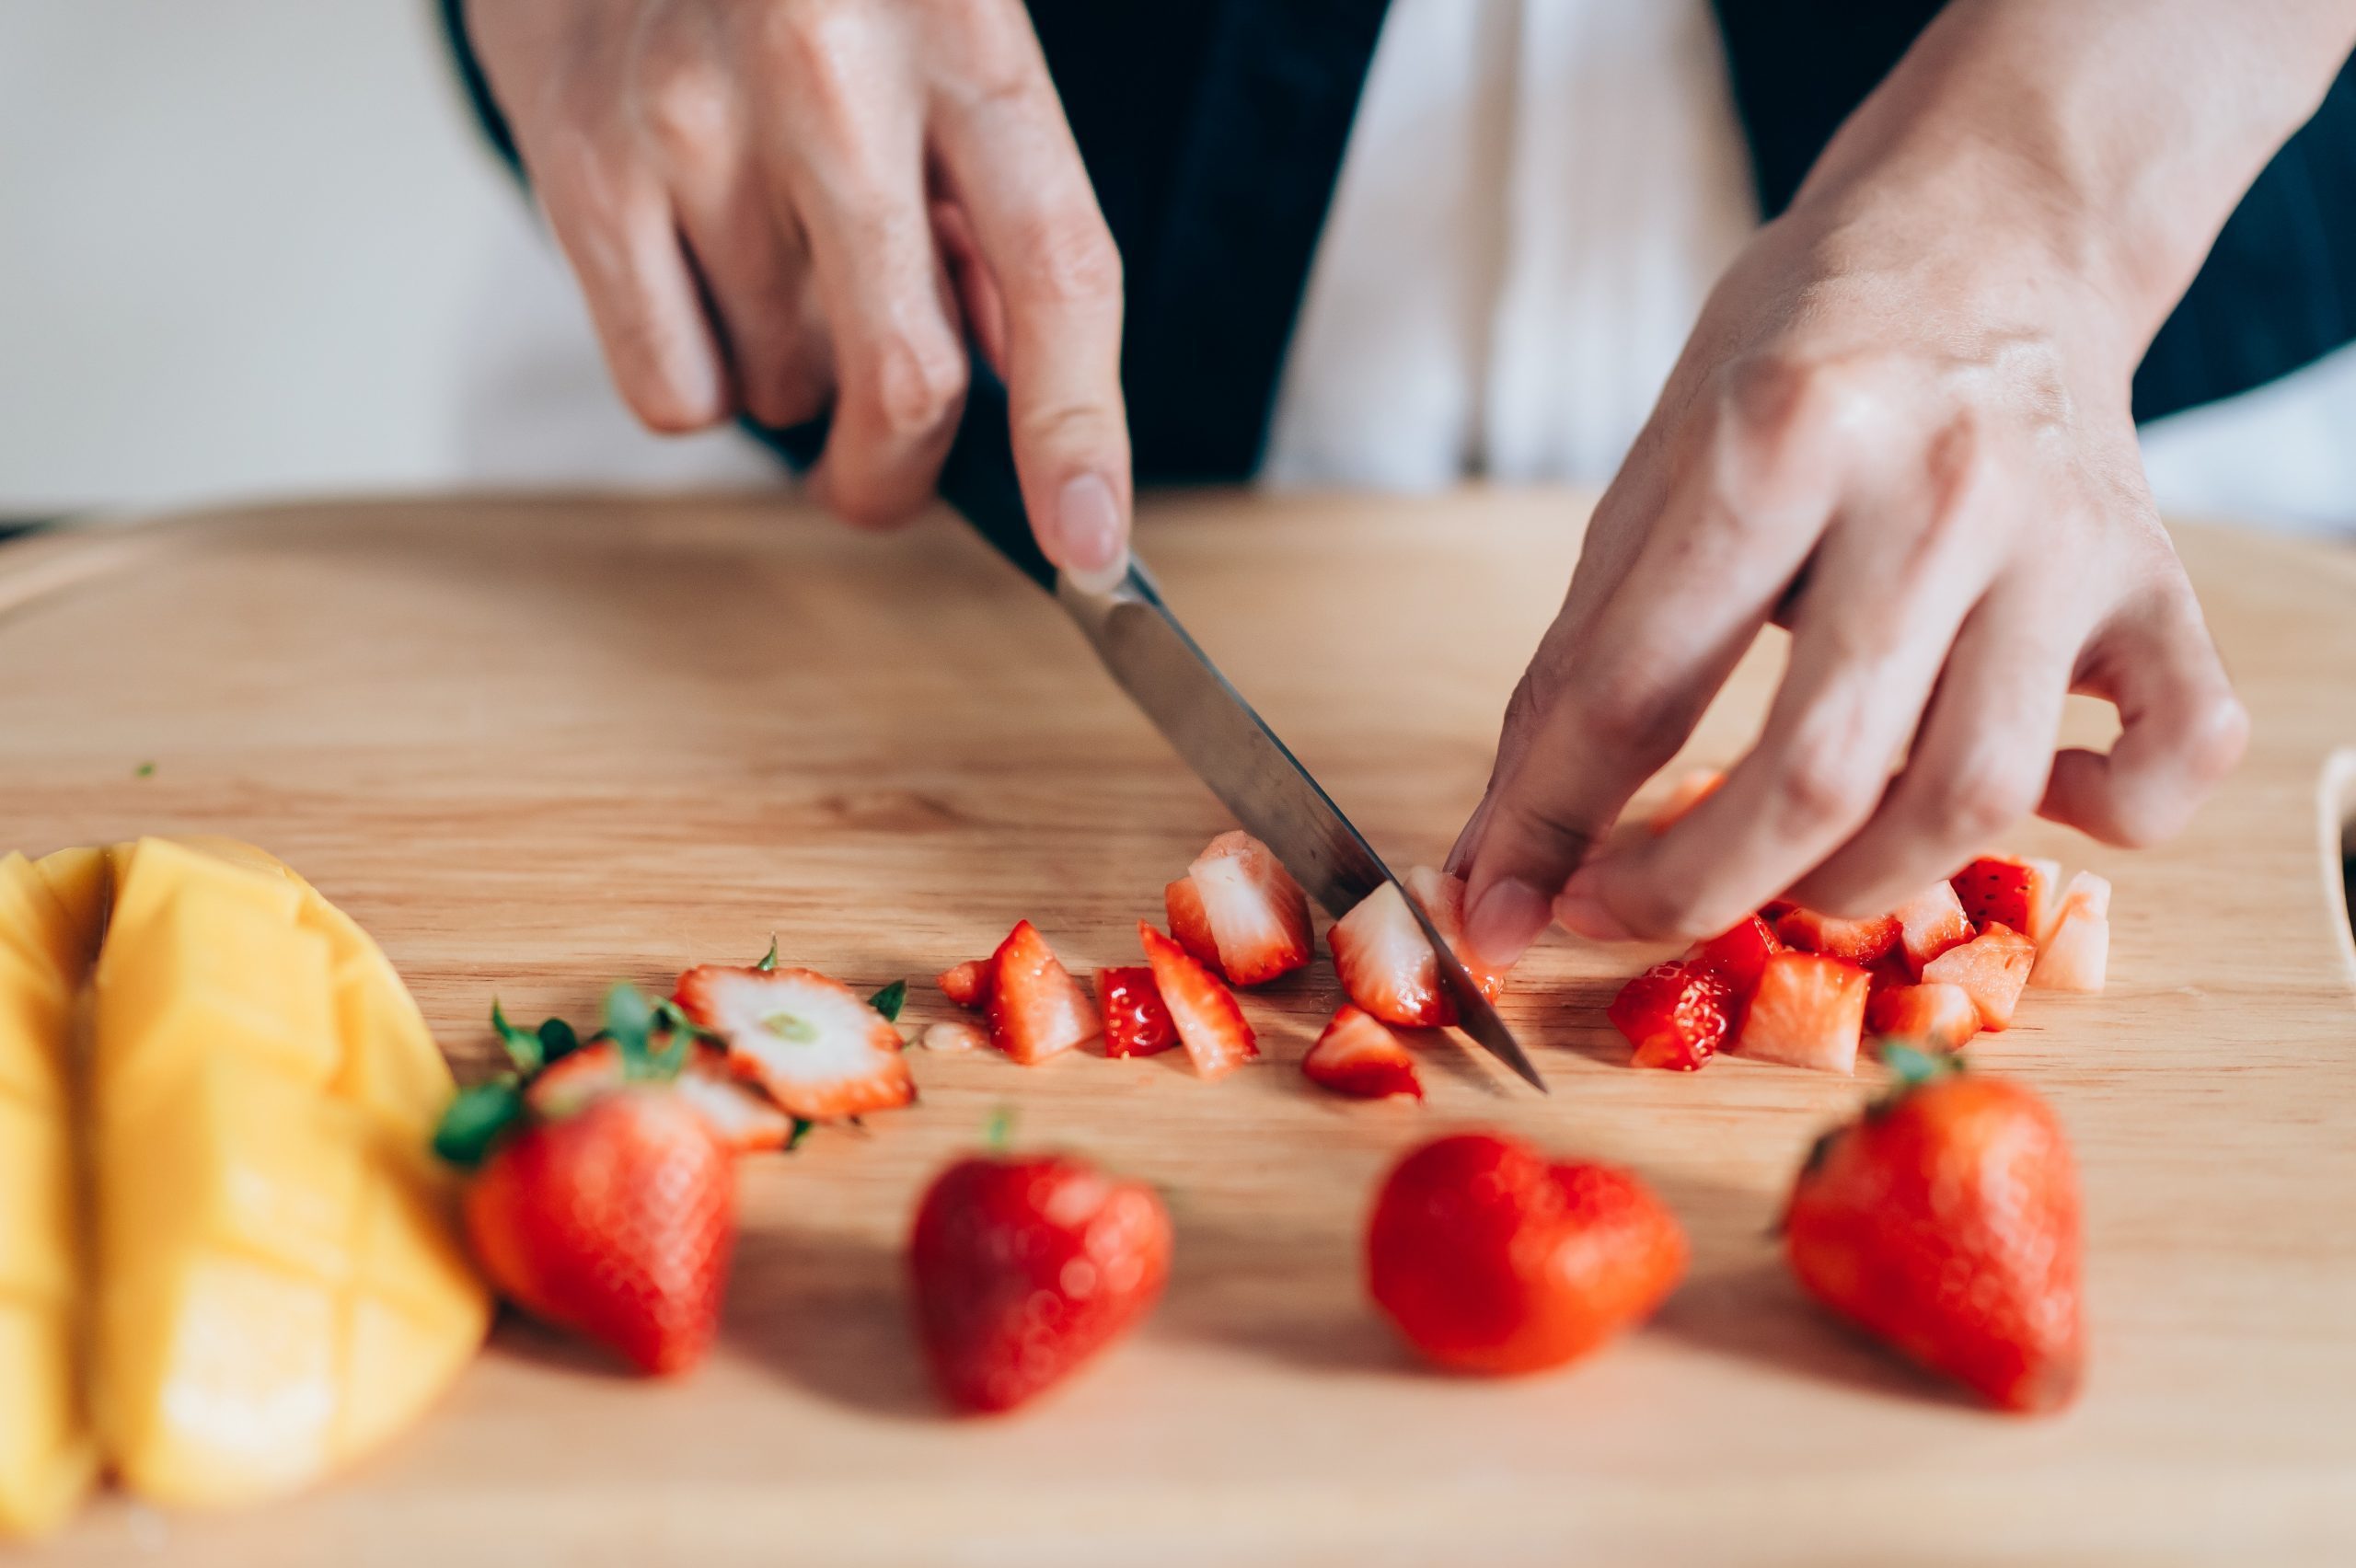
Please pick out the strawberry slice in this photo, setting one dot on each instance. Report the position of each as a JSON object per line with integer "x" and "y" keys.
{"x": 1257, "y": 914}
{"x": 2007, "y": 891}
{"x": 1993, "y": 966}
{"x": 1442, "y": 898}
{"x": 1385, "y": 962}
{"x": 739, "y": 1115}
{"x": 1676, "y": 1015}
{"x": 2075, "y": 951}
{"x": 1208, "y": 1022}
{"x": 1690, "y": 791}
{"x": 1190, "y": 923}
{"x": 966, "y": 984}
{"x": 1036, "y": 1009}
{"x": 1936, "y": 1016}
{"x": 1808, "y": 1011}
{"x": 1930, "y": 923}
{"x": 1357, "y": 1055}
{"x": 1136, "y": 1023}
{"x": 1738, "y": 955}
{"x": 1852, "y": 941}
{"x": 812, "y": 1042}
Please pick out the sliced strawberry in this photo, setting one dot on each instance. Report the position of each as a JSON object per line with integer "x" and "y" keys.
{"x": 1257, "y": 914}
{"x": 810, "y": 1040}
{"x": 1442, "y": 898}
{"x": 1852, "y": 941}
{"x": 1993, "y": 966}
{"x": 1936, "y": 1016}
{"x": 1385, "y": 962}
{"x": 1930, "y": 923}
{"x": 1190, "y": 923}
{"x": 966, "y": 984}
{"x": 1690, "y": 791}
{"x": 1737, "y": 956}
{"x": 1357, "y": 1055}
{"x": 1136, "y": 1023}
{"x": 1208, "y": 1022}
{"x": 2007, "y": 891}
{"x": 2074, "y": 953}
{"x": 1036, "y": 1009}
{"x": 1676, "y": 1015}
{"x": 740, "y": 1116}
{"x": 1808, "y": 1011}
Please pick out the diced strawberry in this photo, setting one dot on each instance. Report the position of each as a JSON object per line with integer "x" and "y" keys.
{"x": 966, "y": 984}
{"x": 1930, "y": 923}
{"x": 1930, "y": 1018}
{"x": 1808, "y": 1011}
{"x": 1852, "y": 941}
{"x": 740, "y": 1116}
{"x": 1441, "y": 895}
{"x": 1690, "y": 791}
{"x": 1136, "y": 1023}
{"x": 2074, "y": 953}
{"x": 1737, "y": 956}
{"x": 1190, "y": 923}
{"x": 1676, "y": 1015}
{"x": 2007, "y": 891}
{"x": 1385, "y": 962}
{"x": 1257, "y": 914}
{"x": 1202, "y": 1010}
{"x": 1036, "y": 1009}
{"x": 1357, "y": 1055}
{"x": 1993, "y": 966}
{"x": 812, "y": 1042}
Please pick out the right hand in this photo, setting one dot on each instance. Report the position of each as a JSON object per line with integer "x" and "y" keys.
{"x": 787, "y": 207}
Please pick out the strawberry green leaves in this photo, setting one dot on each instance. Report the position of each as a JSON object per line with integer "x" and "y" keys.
{"x": 476, "y": 1119}
{"x": 480, "y": 1114}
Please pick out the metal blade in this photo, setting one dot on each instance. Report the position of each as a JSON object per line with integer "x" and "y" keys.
{"x": 1234, "y": 752}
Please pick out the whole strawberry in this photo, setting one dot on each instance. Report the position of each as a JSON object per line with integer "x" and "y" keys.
{"x": 1023, "y": 1269}
{"x": 1489, "y": 1259}
{"x": 1945, "y": 1223}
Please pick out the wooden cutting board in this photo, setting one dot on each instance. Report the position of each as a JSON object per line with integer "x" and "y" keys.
{"x": 537, "y": 745}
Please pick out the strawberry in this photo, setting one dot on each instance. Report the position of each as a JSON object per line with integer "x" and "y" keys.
{"x": 1674, "y": 1014}
{"x": 1993, "y": 966}
{"x": 820, "y": 1051}
{"x": 2006, "y": 891}
{"x": 1136, "y": 1023}
{"x": 966, "y": 984}
{"x": 742, "y": 1118}
{"x": 1930, "y": 923}
{"x": 1930, "y": 1018}
{"x": 2074, "y": 950}
{"x": 1887, "y": 971}
{"x": 1204, "y": 1012}
{"x": 1945, "y": 1223}
{"x": 1852, "y": 941}
{"x": 1738, "y": 955}
{"x": 1441, "y": 896}
{"x": 1488, "y": 1258}
{"x": 1190, "y": 923}
{"x": 1385, "y": 962}
{"x": 1357, "y": 1055}
{"x": 1258, "y": 915}
{"x": 1808, "y": 1012}
{"x": 1690, "y": 791}
{"x": 1036, "y": 1009}
{"x": 1023, "y": 1269}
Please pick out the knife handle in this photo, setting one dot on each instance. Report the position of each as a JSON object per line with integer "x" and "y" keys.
{"x": 977, "y": 478}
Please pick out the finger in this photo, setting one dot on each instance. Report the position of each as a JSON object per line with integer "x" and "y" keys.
{"x": 1979, "y": 763}
{"x": 2182, "y": 730}
{"x": 1012, "y": 166}
{"x": 1618, "y": 686}
{"x": 978, "y": 296}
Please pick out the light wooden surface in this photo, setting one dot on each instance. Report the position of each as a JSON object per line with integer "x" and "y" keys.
{"x": 538, "y": 745}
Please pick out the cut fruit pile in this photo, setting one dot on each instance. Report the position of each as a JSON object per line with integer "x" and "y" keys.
{"x": 1792, "y": 985}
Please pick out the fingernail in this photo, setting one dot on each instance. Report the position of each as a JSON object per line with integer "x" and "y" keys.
{"x": 1580, "y": 910}
{"x": 1504, "y": 920}
{"x": 1088, "y": 527}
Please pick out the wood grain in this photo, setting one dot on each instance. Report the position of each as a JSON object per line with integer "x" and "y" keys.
{"x": 539, "y": 744}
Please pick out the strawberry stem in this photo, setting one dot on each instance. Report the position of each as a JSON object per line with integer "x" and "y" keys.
{"x": 998, "y": 1132}
{"x": 767, "y": 964}
{"x": 523, "y": 1048}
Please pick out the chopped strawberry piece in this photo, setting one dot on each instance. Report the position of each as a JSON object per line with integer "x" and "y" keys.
{"x": 2075, "y": 952}
{"x": 1852, "y": 941}
{"x": 1930, "y": 923}
{"x": 1737, "y": 956}
{"x": 1808, "y": 1011}
{"x": 1036, "y": 1009}
{"x": 1208, "y": 1022}
{"x": 1257, "y": 914}
{"x": 1676, "y": 1015}
{"x": 1190, "y": 923}
{"x": 740, "y": 1116}
{"x": 1936, "y": 1016}
{"x": 1688, "y": 791}
{"x": 1442, "y": 898}
{"x": 812, "y": 1042}
{"x": 966, "y": 984}
{"x": 1385, "y": 962}
{"x": 1357, "y": 1055}
{"x": 1136, "y": 1023}
{"x": 2007, "y": 891}
{"x": 1993, "y": 966}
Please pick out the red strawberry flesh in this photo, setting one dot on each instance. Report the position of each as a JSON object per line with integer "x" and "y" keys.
{"x": 1209, "y": 1023}
{"x": 1136, "y": 1023}
{"x": 1674, "y": 1014}
{"x": 1808, "y": 1011}
{"x": 1037, "y": 1011}
{"x": 811, "y": 1042}
{"x": 1357, "y": 1055}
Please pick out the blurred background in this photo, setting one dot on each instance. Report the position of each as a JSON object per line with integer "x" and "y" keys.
{"x": 252, "y": 246}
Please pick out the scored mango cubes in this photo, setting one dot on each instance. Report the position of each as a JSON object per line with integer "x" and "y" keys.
{"x": 268, "y": 1280}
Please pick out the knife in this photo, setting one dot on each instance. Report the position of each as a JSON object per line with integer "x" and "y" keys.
{"x": 1169, "y": 678}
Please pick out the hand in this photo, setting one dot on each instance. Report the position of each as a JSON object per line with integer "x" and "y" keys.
{"x": 780, "y": 207}
{"x": 1901, "y": 429}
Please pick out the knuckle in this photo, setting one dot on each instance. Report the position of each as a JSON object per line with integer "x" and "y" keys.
{"x": 1545, "y": 832}
{"x": 1821, "y": 786}
{"x": 818, "y": 48}
{"x": 1069, "y": 259}
{"x": 1981, "y": 799}
{"x": 684, "y": 107}
{"x": 916, "y": 381}
{"x": 1631, "y": 718}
